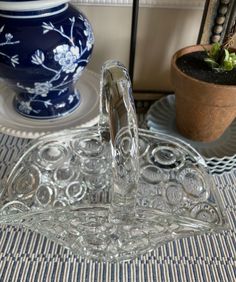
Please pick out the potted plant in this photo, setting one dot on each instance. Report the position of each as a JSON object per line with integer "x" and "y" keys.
{"x": 204, "y": 80}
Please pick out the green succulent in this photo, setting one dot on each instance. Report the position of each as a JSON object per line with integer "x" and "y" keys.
{"x": 220, "y": 58}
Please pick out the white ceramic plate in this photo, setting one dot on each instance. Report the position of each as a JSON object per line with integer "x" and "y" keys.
{"x": 86, "y": 114}
{"x": 220, "y": 155}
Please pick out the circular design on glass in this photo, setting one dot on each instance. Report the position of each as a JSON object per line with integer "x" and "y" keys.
{"x": 45, "y": 195}
{"x": 144, "y": 202}
{"x": 152, "y": 174}
{"x": 147, "y": 189}
{"x": 98, "y": 182}
{"x": 205, "y": 212}
{"x": 75, "y": 191}
{"x": 94, "y": 165}
{"x": 173, "y": 193}
{"x": 143, "y": 146}
{"x": 167, "y": 157}
{"x": 88, "y": 146}
{"x": 159, "y": 204}
{"x": 2, "y": 187}
{"x": 129, "y": 165}
{"x": 24, "y": 183}
{"x": 125, "y": 144}
{"x": 60, "y": 203}
{"x": 63, "y": 175}
{"x": 13, "y": 208}
{"x": 52, "y": 155}
{"x": 121, "y": 171}
{"x": 193, "y": 182}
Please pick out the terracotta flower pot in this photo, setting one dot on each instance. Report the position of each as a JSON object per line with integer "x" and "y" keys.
{"x": 203, "y": 110}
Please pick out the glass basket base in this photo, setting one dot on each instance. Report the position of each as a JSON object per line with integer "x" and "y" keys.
{"x": 88, "y": 232}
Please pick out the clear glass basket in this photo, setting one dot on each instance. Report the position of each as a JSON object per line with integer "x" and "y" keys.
{"x": 114, "y": 191}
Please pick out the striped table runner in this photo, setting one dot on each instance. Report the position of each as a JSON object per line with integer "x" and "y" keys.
{"x": 27, "y": 256}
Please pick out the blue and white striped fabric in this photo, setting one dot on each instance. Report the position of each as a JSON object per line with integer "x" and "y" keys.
{"x": 28, "y": 256}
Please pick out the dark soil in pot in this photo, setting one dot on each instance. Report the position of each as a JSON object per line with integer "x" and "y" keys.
{"x": 193, "y": 64}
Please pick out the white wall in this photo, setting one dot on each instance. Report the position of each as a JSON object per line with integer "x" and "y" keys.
{"x": 111, "y": 27}
{"x": 161, "y": 31}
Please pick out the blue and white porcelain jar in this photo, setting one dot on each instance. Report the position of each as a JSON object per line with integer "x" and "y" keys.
{"x": 44, "y": 47}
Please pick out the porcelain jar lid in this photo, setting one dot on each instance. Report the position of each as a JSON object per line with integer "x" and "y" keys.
{"x": 29, "y": 5}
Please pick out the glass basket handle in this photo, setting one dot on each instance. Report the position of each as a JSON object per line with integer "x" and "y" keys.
{"x": 118, "y": 122}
